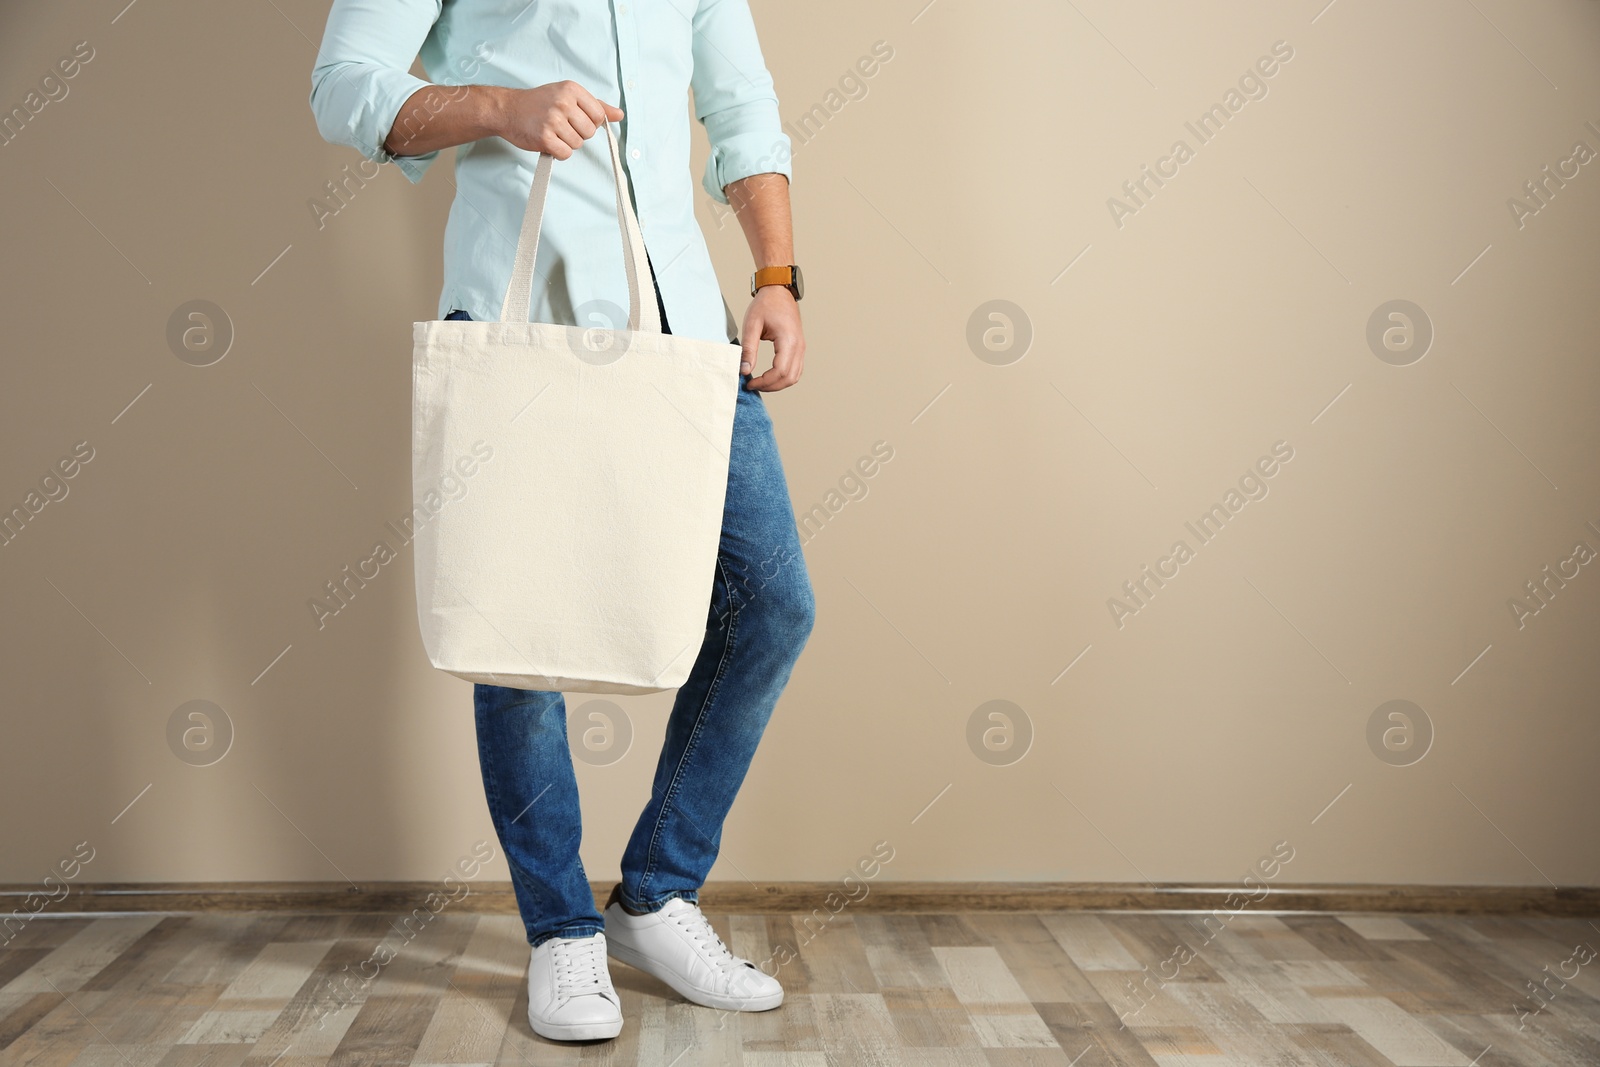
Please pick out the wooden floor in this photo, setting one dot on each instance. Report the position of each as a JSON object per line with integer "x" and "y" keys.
{"x": 931, "y": 990}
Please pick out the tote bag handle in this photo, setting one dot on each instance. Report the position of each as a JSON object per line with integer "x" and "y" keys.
{"x": 642, "y": 312}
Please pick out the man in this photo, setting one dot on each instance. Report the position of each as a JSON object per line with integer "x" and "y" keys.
{"x": 512, "y": 81}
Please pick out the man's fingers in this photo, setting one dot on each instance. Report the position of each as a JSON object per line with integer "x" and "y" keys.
{"x": 557, "y": 118}
{"x": 749, "y": 344}
{"x": 787, "y": 361}
{"x": 774, "y": 379}
{"x": 580, "y": 121}
{"x": 779, "y": 324}
{"x": 594, "y": 110}
{"x": 562, "y": 131}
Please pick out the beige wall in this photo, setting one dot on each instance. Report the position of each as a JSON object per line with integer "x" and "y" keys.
{"x": 1227, "y": 314}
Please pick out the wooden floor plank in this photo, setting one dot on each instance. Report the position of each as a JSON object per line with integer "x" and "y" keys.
{"x": 793, "y": 970}
{"x": 898, "y": 952}
{"x": 785, "y": 1059}
{"x": 160, "y": 947}
{"x": 856, "y": 1028}
{"x": 1507, "y": 1041}
{"x": 205, "y": 1056}
{"x": 1335, "y": 1045}
{"x": 1180, "y": 1046}
{"x": 60, "y": 1034}
{"x": 34, "y": 934}
{"x": 949, "y": 930}
{"x": 930, "y": 1018}
{"x": 1273, "y": 993}
{"x": 1236, "y": 1028}
{"x": 1172, "y": 949}
{"x": 73, "y": 963}
{"x": 1089, "y": 943}
{"x": 791, "y": 1028}
{"x": 494, "y": 961}
{"x": 15, "y": 961}
{"x": 19, "y": 1012}
{"x": 278, "y": 971}
{"x": 1032, "y": 954}
{"x": 316, "y": 1018}
{"x": 387, "y": 1030}
{"x": 837, "y": 960}
{"x": 1383, "y": 927}
{"x": 1397, "y": 1035}
{"x": 1092, "y": 1033}
{"x": 1000, "y": 1011}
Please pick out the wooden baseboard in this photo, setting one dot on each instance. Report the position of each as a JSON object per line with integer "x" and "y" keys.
{"x": 806, "y": 897}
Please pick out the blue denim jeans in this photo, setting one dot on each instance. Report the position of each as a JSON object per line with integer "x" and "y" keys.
{"x": 760, "y": 615}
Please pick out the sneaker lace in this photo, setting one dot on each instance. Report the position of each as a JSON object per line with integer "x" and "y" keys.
{"x": 694, "y": 923}
{"x": 580, "y": 967}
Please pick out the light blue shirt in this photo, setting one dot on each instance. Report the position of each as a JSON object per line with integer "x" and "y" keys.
{"x": 644, "y": 56}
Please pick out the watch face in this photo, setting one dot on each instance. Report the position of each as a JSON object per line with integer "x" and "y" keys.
{"x": 799, "y": 284}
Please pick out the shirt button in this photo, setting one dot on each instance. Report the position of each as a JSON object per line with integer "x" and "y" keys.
{"x": 631, "y": 83}
{"x": 623, "y": 10}
{"x": 635, "y": 153}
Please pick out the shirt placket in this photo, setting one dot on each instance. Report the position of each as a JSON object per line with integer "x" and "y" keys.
{"x": 626, "y": 15}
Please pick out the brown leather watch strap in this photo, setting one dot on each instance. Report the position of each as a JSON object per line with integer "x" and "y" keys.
{"x": 772, "y": 276}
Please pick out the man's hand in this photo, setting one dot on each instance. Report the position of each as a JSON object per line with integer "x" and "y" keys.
{"x": 773, "y": 316}
{"x": 555, "y": 119}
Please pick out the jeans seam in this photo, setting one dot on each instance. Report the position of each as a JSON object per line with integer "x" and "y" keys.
{"x": 712, "y": 691}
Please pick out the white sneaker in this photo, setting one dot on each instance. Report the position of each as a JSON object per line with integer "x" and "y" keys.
{"x": 569, "y": 990}
{"x": 678, "y": 946}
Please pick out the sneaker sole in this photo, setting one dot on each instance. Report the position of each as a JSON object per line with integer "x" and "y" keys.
{"x": 575, "y": 1031}
{"x": 623, "y": 954}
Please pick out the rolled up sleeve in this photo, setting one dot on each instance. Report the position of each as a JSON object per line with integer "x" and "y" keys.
{"x": 362, "y": 76}
{"x": 734, "y": 99}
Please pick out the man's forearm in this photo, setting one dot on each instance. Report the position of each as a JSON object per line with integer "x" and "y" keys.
{"x": 554, "y": 118}
{"x": 761, "y": 203}
{"x": 443, "y": 116}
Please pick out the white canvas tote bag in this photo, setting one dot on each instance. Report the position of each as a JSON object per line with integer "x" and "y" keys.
{"x": 568, "y": 485}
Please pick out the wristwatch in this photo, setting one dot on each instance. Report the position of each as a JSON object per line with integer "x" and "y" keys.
{"x": 788, "y": 277}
